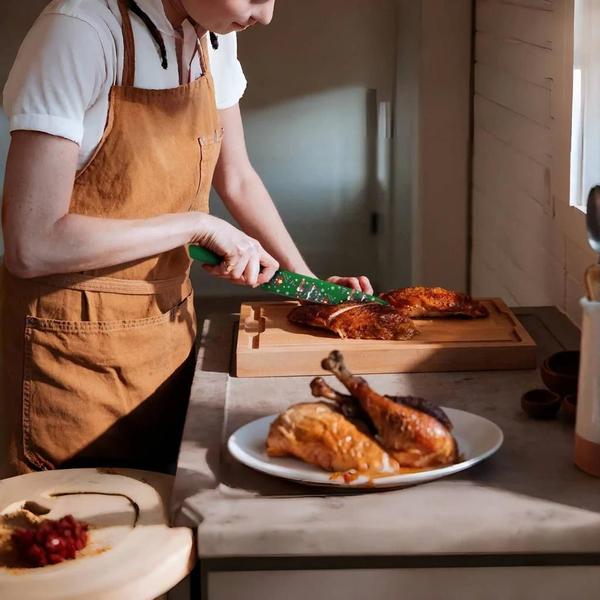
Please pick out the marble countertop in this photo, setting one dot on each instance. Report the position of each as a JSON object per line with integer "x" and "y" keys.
{"x": 528, "y": 499}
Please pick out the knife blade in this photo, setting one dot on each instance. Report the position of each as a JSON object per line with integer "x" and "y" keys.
{"x": 296, "y": 286}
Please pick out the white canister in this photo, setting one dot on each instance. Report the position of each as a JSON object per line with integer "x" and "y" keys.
{"x": 587, "y": 426}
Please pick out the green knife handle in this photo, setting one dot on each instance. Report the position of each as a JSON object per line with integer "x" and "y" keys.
{"x": 206, "y": 257}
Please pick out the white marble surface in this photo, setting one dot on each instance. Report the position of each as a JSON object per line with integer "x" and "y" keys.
{"x": 527, "y": 499}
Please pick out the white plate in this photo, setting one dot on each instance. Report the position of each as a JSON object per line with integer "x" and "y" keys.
{"x": 477, "y": 439}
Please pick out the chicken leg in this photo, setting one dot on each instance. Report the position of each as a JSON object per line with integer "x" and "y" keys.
{"x": 413, "y": 437}
{"x": 349, "y": 405}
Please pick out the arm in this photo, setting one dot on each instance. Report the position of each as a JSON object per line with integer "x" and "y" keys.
{"x": 247, "y": 199}
{"x": 42, "y": 238}
{"x": 250, "y": 204}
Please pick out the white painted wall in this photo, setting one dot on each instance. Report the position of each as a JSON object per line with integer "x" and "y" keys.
{"x": 529, "y": 246}
{"x": 432, "y": 151}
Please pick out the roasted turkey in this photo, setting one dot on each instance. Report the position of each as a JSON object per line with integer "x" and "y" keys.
{"x": 352, "y": 409}
{"x": 317, "y": 433}
{"x": 426, "y": 303}
{"x": 354, "y": 320}
{"x": 364, "y": 432}
{"x": 414, "y": 437}
{"x": 373, "y": 321}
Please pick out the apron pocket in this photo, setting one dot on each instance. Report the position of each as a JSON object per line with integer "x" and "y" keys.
{"x": 107, "y": 393}
{"x": 210, "y": 148}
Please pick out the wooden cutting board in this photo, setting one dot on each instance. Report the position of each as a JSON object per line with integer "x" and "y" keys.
{"x": 269, "y": 345}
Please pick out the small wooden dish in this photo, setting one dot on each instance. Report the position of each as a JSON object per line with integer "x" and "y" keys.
{"x": 560, "y": 372}
{"x": 540, "y": 404}
{"x": 569, "y": 406}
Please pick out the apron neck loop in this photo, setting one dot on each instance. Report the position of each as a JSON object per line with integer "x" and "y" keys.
{"x": 203, "y": 50}
{"x": 129, "y": 45}
{"x": 202, "y": 46}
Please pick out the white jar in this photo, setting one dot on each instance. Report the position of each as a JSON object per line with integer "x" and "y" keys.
{"x": 587, "y": 426}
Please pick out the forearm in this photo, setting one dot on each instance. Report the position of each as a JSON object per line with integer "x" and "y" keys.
{"x": 252, "y": 207}
{"x": 80, "y": 243}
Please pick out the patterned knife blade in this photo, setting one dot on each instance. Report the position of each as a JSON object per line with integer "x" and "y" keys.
{"x": 298, "y": 287}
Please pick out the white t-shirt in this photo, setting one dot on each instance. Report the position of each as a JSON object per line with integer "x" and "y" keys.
{"x": 61, "y": 78}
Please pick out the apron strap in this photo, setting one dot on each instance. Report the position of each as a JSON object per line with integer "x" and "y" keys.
{"x": 202, "y": 48}
{"x": 128, "y": 45}
{"x": 199, "y": 52}
{"x": 203, "y": 51}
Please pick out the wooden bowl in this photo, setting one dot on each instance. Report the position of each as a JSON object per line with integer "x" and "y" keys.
{"x": 569, "y": 406}
{"x": 540, "y": 404}
{"x": 560, "y": 372}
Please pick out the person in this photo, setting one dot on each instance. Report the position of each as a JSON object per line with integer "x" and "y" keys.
{"x": 122, "y": 114}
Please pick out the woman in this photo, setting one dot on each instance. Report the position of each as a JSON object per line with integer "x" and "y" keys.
{"x": 118, "y": 129}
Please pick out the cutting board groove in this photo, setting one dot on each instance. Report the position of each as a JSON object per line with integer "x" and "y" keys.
{"x": 269, "y": 345}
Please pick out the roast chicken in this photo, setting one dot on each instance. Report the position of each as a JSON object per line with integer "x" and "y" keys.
{"x": 319, "y": 434}
{"x": 414, "y": 437}
{"x": 426, "y": 303}
{"x": 351, "y": 408}
{"x": 354, "y": 320}
{"x": 364, "y": 432}
{"x": 373, "y": 321}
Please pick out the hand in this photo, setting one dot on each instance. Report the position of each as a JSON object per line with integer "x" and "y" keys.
{"x": 245, "y": 262}
{"x": 360, "y": 284}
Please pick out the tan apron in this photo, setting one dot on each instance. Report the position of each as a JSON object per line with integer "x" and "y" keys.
{"x": 97, "y": 366}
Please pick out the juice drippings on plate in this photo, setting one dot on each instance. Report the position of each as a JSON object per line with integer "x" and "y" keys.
{"x": 351, "y": 476}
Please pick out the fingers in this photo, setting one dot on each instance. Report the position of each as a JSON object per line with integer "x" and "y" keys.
{"x": 248, "y": 264}
{"x": 217, "y": 271}
{"x": 365, "y": 285}
{"x": 360, "y": 284}
{"x": 237, "y": 268}
{"x": 252, "y": 270}
{"x": 269, "y": 266}
{"x": 349, "y": 282}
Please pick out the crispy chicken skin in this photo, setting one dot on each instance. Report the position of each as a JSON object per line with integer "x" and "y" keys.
{"x": 413, "y": 437}
{"x": 319, "y": 434}
{"x": 352, "y": 409}
{"x": 424, "y": 302}
{"x": 372, "y": 321}
{"x": 354, "y": 320}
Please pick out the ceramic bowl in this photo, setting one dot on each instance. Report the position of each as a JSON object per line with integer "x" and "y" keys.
{"x": 569, "y": 406}
{"x": 540, "y": 404}
{"x": 560, "y": 371}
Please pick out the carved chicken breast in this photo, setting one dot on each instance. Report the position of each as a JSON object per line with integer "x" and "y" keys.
{"x": 414, "y": 437}
{"x": 354, "y": 320}
{"x": 319, "y": 434}
{"x": 424, "y": 302}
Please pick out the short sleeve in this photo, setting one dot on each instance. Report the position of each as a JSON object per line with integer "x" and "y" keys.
{"x": 58, "y": 74}
{"x": 230, "y": 82}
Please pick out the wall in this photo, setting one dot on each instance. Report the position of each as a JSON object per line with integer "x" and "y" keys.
{"x": 529, "y": 246}
{"x": 17, "y": 18}
{"x": 432, "y": 140}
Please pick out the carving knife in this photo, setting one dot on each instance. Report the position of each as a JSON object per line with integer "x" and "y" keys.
{"x": 293, "y": 285}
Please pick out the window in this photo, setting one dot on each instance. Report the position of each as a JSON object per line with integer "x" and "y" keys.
{"x": 585, "y": 129}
